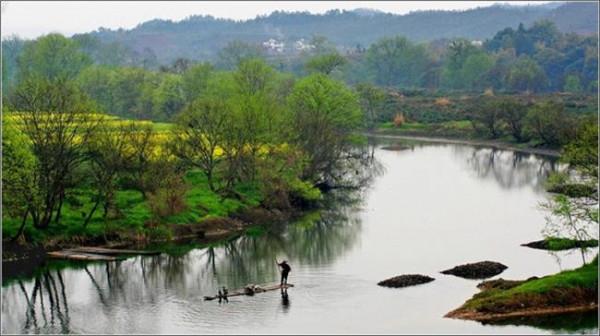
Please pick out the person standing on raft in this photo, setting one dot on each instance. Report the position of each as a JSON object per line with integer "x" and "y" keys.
{"x": 285, "y": 270}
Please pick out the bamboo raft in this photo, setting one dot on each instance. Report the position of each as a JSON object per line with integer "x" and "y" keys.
{"x": 261, "y": 289}
{"x": 97, "y": 254}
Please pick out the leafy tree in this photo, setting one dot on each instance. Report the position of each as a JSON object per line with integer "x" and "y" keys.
{"x": 550, "y": 123}
{"x": 58, "y": 124}
{"x": 20, "y": 192}
{"x": 514, "y": 113}
{"x": 201, "y": 130}
{"x": 51, "y": 57}
{"x": 488, "y": 116}
{"x": 11, "y": 49}
{"x": 475, "y": 69}
{"x": 372, "y": 101}
{"x": 168, "y": 98}
{"x": 237, "y": 51}
{"x": 108, "y": 157}
{"x": 195, "y": 80}
{"x": 98, "y": 83}
{"x": 324, "y": 114}
{"x": 397, "y": 61}
{"x": 326, "y": 63}
{"x": 526, "y": 75}
{"x": 572, "y": 84}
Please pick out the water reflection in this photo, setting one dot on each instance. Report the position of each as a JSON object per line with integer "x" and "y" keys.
{"x": 509, "y": 169}
{"x": 46, "y": 307}
{"x": 336, "y": 259}
{"x": 147, "y": 281}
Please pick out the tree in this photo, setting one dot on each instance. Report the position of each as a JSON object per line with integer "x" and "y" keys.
{"x": 20, "y": 192}
{"x": 572, "y": 84}
{"x": 98, "y": 83}
{"x": 326, "y": 63}
{"x": 488, "y": 116}
{"x": 168, "y": 98}
{"x": 526, "y": 75}
{"x": 51, "y": 57}
{"x": 201, "y": 129}
{"x": 57, "y": 121}
{"x": 237, "y": 51}
{"x": 475, "y": 69}
{"x": 513, "y": 113}
{"x": 457, "y": 54}
{"x": 372, "y": 100}
{"x": 256, "y": 118}
{"x": 108, "y": 156}
{"x": 550, "y": 123}
{"x": 576, "y": 215}
{"x": 11, "y": 49}
{"x": 195, "y": 80}
{"x": 397, "y": 61}
{"x": 324, "y": 114}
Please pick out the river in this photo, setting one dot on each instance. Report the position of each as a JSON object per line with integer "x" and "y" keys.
{"x": 430, "y": 207}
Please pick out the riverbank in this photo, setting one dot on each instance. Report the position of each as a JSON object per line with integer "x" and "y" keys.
{"x": 22, "y": 259}
{"x": 496, "y": 144}
{"x": 566, "y": 292}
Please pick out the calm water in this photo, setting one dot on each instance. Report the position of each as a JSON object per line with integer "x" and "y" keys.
{"x": 431, "y": 207}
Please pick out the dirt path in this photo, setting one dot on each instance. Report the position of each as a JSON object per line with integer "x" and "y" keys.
{"x": 479, "y": 143}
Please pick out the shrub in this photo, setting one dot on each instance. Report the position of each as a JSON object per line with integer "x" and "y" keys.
{"x": 399, "y": 119}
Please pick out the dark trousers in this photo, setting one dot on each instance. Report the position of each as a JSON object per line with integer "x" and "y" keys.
{"x": 284, "y": 276}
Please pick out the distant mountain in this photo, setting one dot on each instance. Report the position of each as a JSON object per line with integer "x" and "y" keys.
{"x": 201, "y": 37}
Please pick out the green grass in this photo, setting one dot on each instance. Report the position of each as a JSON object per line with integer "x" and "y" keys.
{"x": 559, "y": 244}
{"x": 161, "y": 126}
{"x": 201, "y": 203}
{"x": 538, "y": 290}
{"x": 456, "y": 128}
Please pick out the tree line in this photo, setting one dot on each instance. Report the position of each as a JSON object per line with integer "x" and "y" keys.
{"x": 539, "y": 58}
{"x": 250, "y": 127}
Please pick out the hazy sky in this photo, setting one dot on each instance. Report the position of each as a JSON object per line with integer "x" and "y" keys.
{"x": 34, "y": 18}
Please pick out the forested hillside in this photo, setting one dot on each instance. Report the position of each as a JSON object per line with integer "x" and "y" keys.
{"x": 200, "y": 37}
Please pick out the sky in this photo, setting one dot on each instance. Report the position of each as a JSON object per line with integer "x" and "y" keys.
{"x": 30, "y": 19}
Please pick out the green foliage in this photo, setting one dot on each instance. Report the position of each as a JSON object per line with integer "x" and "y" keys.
{"x": 236, "y": 52}
{"x": 572, "y": 84}
{"x": 550, "y": 123}
{"x": 51, "y": 57}
{"x": 324, "y": 113}
{"x": 561, "y": 244}
{"x": 325, "y": 64}
{"x": 582, "y": 152}
{"x": 526, "y": 75}
{"x": 397, "y": 62}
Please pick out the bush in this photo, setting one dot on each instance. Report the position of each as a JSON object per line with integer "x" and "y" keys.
{"x": 399, "y": 119}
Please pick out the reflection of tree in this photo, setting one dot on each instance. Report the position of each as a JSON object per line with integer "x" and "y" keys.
{"x": 45, "y": 287}
{"x": 509, "y": 169}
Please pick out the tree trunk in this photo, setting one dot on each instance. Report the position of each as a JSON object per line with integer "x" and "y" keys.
{"x": 60, "y": 204}
{"x": 89, "y": 216}
{"x": 23, "y": 222}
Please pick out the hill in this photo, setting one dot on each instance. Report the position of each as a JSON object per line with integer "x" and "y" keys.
{"x": 200, "y": 37}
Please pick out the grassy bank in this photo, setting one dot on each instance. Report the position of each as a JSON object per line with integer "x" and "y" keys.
{"x": 134, "y": 219}
{"x": 567, "y": 291}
